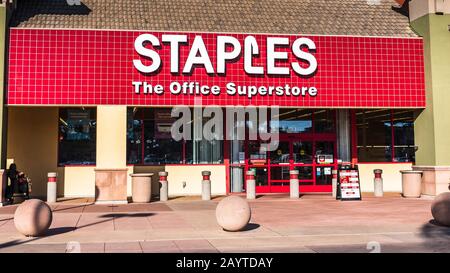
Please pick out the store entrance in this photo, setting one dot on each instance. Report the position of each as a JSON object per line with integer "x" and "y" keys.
{"x": 314, "y": 156}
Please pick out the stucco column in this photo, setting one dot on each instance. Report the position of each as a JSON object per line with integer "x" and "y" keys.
{"x": 110, "y": 177}
{"x": 111, "y": 136}
{"x": 430, "y": 19}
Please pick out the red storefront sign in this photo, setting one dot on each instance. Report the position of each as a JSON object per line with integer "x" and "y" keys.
{"x": 92, "y": 67}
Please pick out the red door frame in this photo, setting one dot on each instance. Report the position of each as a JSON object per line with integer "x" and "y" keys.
{"x": 314, "y": 137}
{"x": 291, "y": 138}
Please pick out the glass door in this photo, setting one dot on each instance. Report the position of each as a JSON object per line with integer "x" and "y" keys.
{"x": 279, "y": 166}
{"x": 325, "y": 162}
{"x": 258, "y": 162}
{"x": 303, "y": 152}
{"x": 307, "y": 144}
{"x": 313, "y": 157}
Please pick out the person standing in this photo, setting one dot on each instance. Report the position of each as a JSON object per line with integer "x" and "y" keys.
{"x": 12, "y": 183}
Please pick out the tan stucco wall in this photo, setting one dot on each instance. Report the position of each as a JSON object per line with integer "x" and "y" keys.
{"x": 192, "y": 175}
{"x": 392, "y": 178}
{"x": 79, "y": 181}
{"x": 111, "y": 136}
{"x": 33, "y": 142}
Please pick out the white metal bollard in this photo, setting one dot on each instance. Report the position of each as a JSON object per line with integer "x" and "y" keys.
{"x": 378, "y": 183}
{"x": 294, "y": 186}
{"x": 251, "y": 184}
{"x": 206, "y": 185}
{"x": 164, "y": 190}
{"x": 51, "y": 187}
{"x": 334, "y": 182}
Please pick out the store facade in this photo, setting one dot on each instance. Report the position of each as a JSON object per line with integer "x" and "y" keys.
{"x": 95, "y": 91}
{"x": 110, "y": 95}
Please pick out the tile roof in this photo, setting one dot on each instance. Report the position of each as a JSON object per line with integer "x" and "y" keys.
{"x": 339, "y": 17}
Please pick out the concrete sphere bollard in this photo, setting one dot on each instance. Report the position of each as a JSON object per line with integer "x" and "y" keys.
{"x": 33, "y": 217}
{"x": 440, "y": 209}
{"x": 233, "y": 213}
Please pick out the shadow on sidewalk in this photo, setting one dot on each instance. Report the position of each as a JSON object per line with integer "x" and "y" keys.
{"x": 437, "y": 237}
{"x": 433, "y": 229}
{"x": 58, "y": 230}
{"x": 62, "y": 230}
{"x": 251, "y": 226}
{"x": 129, "y": 215}
{"x": 248, "y": 227}
{"x": 17, "y": 242}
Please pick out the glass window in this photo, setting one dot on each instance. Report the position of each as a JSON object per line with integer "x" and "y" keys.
{"x": 255, "y": 155}
{"x": 260, "y": 176}
{"x": 385, "y": 135}
{"x": 303, "y": 152}
{"x": 77, "y": 136}
{"x": 324, "y": 121}
{"x": 324, "y": 152}
{"x": 134, "y": 136}
{"x": 150, "y": 142}
{"x": 281, "y": 154}
{"x": 159, "y": 147}
{"x": 203, "y": 151}
{"x": 324, "y": 175}
{"x": 293, "y": 121}
{"x": 304, "y": 173}
{"x": 403, "y": 124}
{"x": 148, "y": 137}
{"x": 374, "y": 135}
{"x": 279, "y": 173}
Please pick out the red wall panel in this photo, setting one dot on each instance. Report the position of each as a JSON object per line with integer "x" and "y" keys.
{"x": 91, "y": 67}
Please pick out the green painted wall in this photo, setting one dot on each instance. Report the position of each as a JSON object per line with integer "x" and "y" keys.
{"x": 432, "y": 127}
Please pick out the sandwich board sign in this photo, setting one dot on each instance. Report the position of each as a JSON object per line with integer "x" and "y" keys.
{"x": 348, "y": 184}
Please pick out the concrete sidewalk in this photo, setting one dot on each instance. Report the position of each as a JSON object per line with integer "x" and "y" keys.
{"x": 314, "y": 223}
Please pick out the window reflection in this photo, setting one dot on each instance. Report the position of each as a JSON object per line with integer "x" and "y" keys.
{"x": 324, "y": 175}
{"x": 374, "y": 135}
{"x": 281, "y": 154}
{"x": 279, "y": 173}
{"x": 293, "y": 121}
{"x": 303, "y": 152}
{"x": 149, "y": 141}
{"x": 403, "y": 126}
{"x": 324, "y": 121}
{"x": 159, "y": 147}
{"x": 255, "y": 155}
{"x": 304, "y": 173}
{"x": 381, "y": 131}
{"x": 77, "y": 136}
{"x": 134, "y": 137}
{"x": 261, "y": 178}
